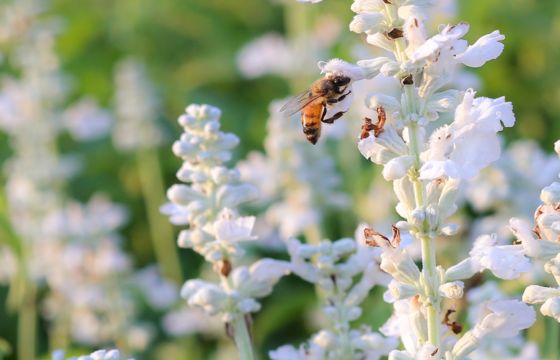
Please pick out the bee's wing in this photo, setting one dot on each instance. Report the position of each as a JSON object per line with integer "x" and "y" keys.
{"x": 298, "y": 102}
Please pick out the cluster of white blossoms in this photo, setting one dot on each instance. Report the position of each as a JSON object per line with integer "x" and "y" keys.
{"x": 344, "y": 271}
{"x": 135, "y": 107}
{"x": 481, "y": 301}
{"x": 297, "y": 183}
{"x": 510, "y": 187}
{"x": 207, "y": 202}
{"x": 428, "y": 157}
{"x": 542, "y": 242}
{"x": 67, "y": 250}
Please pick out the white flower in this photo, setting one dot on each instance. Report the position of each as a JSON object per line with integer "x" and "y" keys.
{"x": 505, "y": 261}
{"x": 231, "y": 228}
{"x": 136, "y": 107}
{"x": 470, "y": 143}
{"x": 452, "y": 290}
{"x": 448, "y": 46}
{"x": 537, "y": 248}
{"x": 503, "y": 319}
{"x": 341, "y": 67}
{"x": 398, "y": 167}
{"x": 368, "y": 23}
{"x": 86, "y": 121}
{"x": 267, "y": 54}
{"x": 484, "y": 49}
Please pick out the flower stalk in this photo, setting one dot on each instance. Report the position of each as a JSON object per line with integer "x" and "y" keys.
{"x": 242, "y": 338}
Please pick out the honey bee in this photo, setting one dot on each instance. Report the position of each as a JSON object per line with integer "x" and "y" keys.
{"x": 316, "y": 101}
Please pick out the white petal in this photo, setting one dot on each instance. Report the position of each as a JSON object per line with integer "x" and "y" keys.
{"x": 484, "y": 49}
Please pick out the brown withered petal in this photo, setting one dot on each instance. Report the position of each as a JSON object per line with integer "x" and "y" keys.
{"x": 538, "y": 214}
{"x": 223, "y": 267}
{"x": 366, "y": 128}
{"x": 394, "y": 33}
{"x": 370, "y": 234}
{"x": 407, "y": 80}
{"x": 455, "y": 327}
{"x": 381, "y": 119}
{"x": 396, "y": 240}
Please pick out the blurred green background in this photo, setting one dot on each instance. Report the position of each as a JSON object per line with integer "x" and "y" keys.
{"x": 190, "y": 49}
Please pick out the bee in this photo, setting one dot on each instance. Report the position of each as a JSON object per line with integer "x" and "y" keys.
{"x": 316, "y": 101}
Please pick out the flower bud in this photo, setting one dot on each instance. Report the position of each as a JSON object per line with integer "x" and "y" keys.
{"x": 446, "y": 203}
{"x": 220, "y": 175}
{"x": 551, "y": 307}
{"x": 354, "y": 313}
{"x": 401, "y": 291}
{"x": 381, "y": 41}
{"x": 212, "y": 127}
{"x": 368, "y": 23}
{"x": 417, "y": 217}
{"x": 325, "y": 339}
{"x": 535, "y": 294}
{"x": 390, "y": 68}
{"x": 209, "y": 112}
{"x": 371, "y": 67}
{"x": 557, "y": 147}
{"x": 371, "y": 6}
{"x": 343, "y": 246}
{"x": 452, "y": 290}
{"x": 400, "y": 265}
{"x": 183, "y": 149}
{"x": 183, "y": 194}
{"x": 186, "y": 120}
{"x": 551, "y": 194}
{"x": 465, "y": 345}
{"x": 463, "y": 270}
{"x": 397, "y": 167}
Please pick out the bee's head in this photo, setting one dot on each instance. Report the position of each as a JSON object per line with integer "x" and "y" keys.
{"x": 340, "y": 80}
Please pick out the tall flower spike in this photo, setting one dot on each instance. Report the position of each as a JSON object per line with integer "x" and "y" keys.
{"x": 335, "y": 268}
{"x": 543, "y": 242}
{"x": 208, "y": 203}
{"x": 428, "y": 164}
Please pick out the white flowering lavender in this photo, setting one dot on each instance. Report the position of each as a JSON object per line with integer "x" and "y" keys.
{"x": 345, "y": 271}
{"x": 68, "y": 253}
{"x": 298, "y": 183}
{"x": 542, "y": 242}
{"x": 136, "y": 108}
{"x": 427, "y": 158}
{"x": 483, "y": 300}
{"x": 208, "y": 205}
{"x": 137, "y": 132}
{"x": 510, "y": 187}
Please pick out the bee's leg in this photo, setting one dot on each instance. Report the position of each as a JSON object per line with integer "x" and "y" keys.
{"x": 333, "y": 118}
{"x": 342, "y": 97}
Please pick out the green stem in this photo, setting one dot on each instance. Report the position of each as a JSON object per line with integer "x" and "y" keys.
{"x": 552, "y": 350}
{"x": 242, "y": 338}
{"x": 27, "y": 325}
{"x": 431, "y": 290}
{"x": 161, "y": 232}
{"x": 429, "y": 263}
